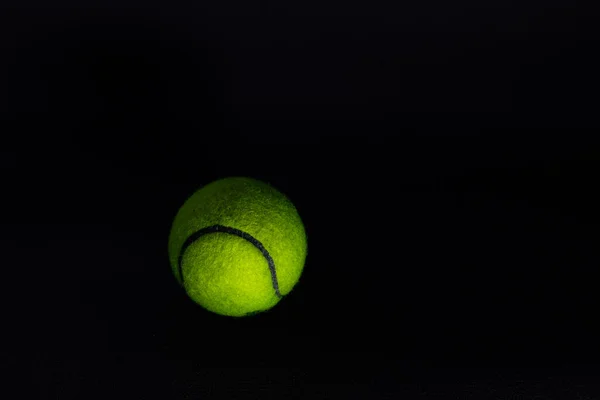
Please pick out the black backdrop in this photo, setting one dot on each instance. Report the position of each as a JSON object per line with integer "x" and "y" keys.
{"x": 441, "y": 155}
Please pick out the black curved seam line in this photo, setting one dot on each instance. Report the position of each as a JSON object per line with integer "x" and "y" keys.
{"x": 244, "y": 235}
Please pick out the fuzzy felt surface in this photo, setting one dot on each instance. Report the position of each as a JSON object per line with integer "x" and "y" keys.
{"x": 227, "y": 274}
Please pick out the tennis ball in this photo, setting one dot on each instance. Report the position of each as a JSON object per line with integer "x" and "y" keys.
{"x": 237, "y": 246}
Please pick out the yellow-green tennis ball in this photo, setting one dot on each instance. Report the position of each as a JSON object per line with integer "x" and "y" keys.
{"x": 237, "y": 246}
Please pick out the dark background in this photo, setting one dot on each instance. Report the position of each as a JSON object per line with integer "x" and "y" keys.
{"x": 441, "y": 154}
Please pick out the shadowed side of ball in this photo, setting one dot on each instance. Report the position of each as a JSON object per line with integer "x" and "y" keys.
{"x": 237, "y": 246}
